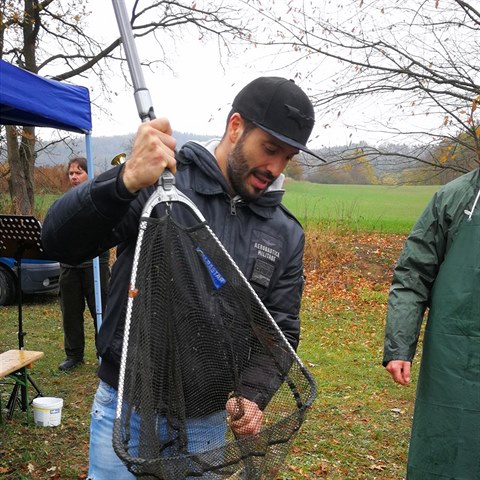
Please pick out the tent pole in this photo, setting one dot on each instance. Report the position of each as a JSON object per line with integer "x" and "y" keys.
{"x": 96, "y": 261}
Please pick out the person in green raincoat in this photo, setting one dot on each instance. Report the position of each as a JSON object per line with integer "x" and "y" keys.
{"x": 439, "y": 270}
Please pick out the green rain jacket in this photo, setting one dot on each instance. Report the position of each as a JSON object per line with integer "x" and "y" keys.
{"x": 439, "y": 269}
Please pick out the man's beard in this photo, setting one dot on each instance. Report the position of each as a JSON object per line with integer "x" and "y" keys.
{"x": 238, "y": 172}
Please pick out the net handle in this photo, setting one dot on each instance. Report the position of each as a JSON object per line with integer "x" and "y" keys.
{"x": 141, "y": 93}
{"x": 140, "y": 90}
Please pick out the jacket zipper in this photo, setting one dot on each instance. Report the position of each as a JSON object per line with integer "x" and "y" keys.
{"x": 233, "y": 204}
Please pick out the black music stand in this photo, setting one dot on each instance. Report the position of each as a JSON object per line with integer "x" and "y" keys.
{"x": 20, "y": 237}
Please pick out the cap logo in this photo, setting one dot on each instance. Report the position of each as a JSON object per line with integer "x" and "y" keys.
{"x": 302, "y": 120}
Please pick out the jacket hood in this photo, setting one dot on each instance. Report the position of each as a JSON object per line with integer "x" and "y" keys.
{"x": 210, "y": 180}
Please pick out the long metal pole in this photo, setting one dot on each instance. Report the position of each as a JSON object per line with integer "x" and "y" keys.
{"x": 141, "y": 93}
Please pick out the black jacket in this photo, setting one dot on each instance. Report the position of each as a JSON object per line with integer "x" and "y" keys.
{"x": 261, "y": 236}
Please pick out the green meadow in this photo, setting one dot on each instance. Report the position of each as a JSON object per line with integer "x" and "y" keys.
{"x": 373, "y": 208}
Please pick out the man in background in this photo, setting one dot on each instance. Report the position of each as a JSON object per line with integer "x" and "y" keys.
{"x": 77, "y": 287}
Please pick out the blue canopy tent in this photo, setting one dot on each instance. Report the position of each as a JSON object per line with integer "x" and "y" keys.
{"x": 32, "y": 100}
{"x": 27, "y": 99}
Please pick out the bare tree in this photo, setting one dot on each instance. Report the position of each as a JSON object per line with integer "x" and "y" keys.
{"x": 49, "y": 37}
{"x": 406, "y": 71}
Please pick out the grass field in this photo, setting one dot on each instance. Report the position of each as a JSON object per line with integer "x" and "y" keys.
{"x": 383, "y": 209}
{"x": 357, "y": 429}
{"x": 387, "y": 209}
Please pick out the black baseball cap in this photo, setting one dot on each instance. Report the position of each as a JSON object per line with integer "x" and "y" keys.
{"x": 279, "y": 107}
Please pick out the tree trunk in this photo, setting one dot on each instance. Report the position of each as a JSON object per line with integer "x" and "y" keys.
{"x": 21, "y": 141}
{"x": 21, "y": 157}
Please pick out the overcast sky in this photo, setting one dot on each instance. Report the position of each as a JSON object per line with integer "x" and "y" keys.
{"x": 197, "y": 96}
{"x": 197, "y": 89}
{"x": 196, "y": 92}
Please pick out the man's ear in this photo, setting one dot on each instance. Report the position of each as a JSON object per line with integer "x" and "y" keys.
{"x": 235, "y": 127}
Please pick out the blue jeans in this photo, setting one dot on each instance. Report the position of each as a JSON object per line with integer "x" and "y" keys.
{"x": 104, "y": 464}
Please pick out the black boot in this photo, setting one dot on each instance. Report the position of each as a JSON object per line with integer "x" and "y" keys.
{"x": 70, "y": 363}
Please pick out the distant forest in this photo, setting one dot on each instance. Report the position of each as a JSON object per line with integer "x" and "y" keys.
{"x": 358, "y": 164}
{"x": 104, "y": 149}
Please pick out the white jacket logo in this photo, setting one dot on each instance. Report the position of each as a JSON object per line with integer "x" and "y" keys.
{"x": 267, "y": 252}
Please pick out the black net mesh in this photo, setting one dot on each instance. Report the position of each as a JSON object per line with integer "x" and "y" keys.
{"x": 198, "y": 335}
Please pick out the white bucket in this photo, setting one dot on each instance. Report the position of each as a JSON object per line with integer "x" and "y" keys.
{"x": 47, "y": 411}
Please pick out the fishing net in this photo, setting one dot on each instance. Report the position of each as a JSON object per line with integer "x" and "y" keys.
{"x": 197, "y": 335}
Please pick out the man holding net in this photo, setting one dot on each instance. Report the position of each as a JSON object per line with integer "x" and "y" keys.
{"x": 236, "y": 183}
